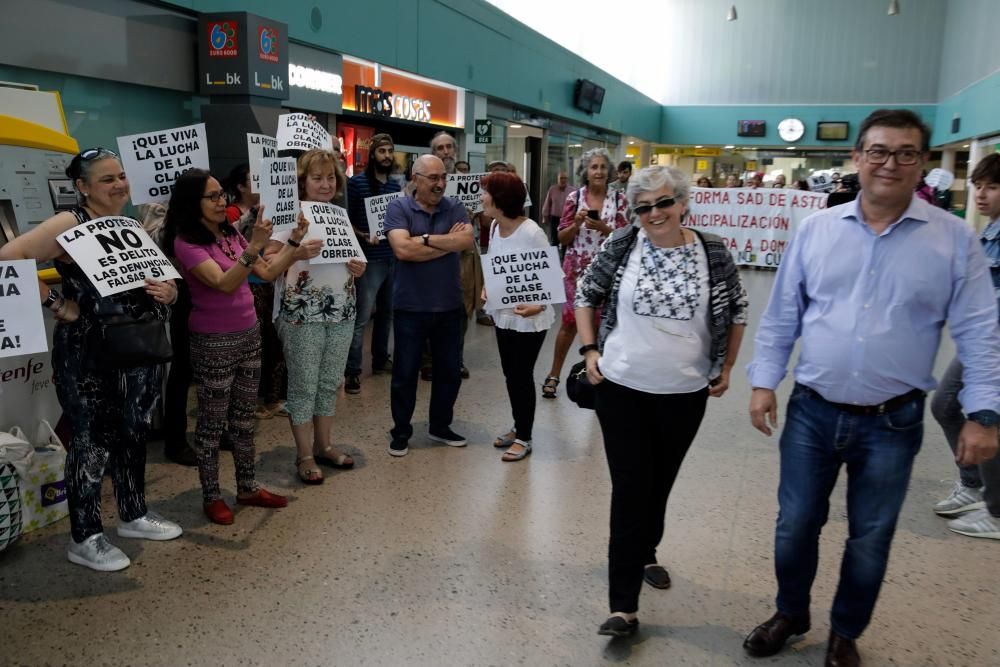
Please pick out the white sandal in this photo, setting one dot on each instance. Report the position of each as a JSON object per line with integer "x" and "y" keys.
{"x": 510, "y": 455}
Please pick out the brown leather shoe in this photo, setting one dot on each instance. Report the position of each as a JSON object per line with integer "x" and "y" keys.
{"x": 770, "y": 636}
{"x": 841, "y": 652}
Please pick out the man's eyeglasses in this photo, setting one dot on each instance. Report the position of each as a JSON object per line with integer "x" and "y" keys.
{"x": 215, "y": 196}
{"x": 904, "y": 156}
{"x": 661, "y": 204}
{"x": 433, "y": 177}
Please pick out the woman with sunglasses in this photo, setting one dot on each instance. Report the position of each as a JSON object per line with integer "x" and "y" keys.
{"x": 316, "y": 325}
{"x": 589, "y": 215}
{"x": 216, "y": 261}
{"x": 674, "y": 315}
{"x": 109, "y": 409}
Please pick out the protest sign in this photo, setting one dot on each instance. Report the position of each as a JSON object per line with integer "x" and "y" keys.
{"x": 154, "y": 160}
{"x": 259, "y": 146}
{"x": 116, "y": 254}
{"x": 375, "y": 208}
{"x": 532, "y": 276}
{"x": 465, "y": 188}
{"x": 22, "y": 330}
{"x": 279, "y": 192}
{"x": 297, "y": 132}
{"x": 755, "y": 224}
{"x": 330, "y": 224}
{"x": 821, "y": 183}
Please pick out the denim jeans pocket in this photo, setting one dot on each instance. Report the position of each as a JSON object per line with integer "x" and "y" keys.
{"x": 906, "y": 417}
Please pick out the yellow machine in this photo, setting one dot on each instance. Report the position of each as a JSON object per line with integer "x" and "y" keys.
{"x": 35, "y": 148}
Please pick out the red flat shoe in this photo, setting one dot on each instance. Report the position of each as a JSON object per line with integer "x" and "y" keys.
{"x": 263, "y": 498}
{"x": 218, "y": 512}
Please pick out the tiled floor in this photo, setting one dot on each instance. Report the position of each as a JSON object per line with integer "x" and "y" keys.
{"x": 450, "y": 557}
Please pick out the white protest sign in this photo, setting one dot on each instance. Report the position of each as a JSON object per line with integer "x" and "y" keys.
{"x": 375, "y": 208}
{"x": 330, "y": 224}
{"x": 297, "y": 132}
{"x": 279, "y": 192}
{"x": 116, "y": 253}
{"x": 755, "y": 224}
{"x": 465, "y": 188}
{"x": 259, "y": 146}
{"x": 532, "y": 276}
{"x": 154, "y": 160}
{"x": 821, "y": 183}
{"x": 939, "y": 179}
{"x": 22, "y": 329}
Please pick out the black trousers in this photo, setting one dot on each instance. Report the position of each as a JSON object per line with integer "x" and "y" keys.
{"x": 646, "y": 437}
{"x": 518, "y": 353}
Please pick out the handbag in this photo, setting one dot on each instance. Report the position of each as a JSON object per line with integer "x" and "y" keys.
{"x": 578, "y": 386}
{"x": 122, "y": 341}
{"x": 15, "y": 456}
{"x": 43, "y": 484}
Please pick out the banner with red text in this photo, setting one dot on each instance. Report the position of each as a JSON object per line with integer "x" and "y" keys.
{"x": 755, "y": 223}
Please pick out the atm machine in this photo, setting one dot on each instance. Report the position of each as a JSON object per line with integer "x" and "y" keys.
{"x": 35, "y": 148}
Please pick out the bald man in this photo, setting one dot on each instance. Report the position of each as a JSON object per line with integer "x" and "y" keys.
{"x": 427, "y": 232}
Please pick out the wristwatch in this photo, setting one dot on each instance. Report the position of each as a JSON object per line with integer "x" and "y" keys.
{"x": 427, "y": 239}
{"x": 584, "y": 349}
{"x": 52, "y": 299}
{"x": 986, "y": 418}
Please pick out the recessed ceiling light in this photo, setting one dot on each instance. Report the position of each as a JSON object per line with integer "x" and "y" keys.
{"x": 80, "y": 111}
{"x": 790, "y": 148}
{"x": 729, "y": 148}
{"x": 631, "y": 143}
{"x": 515, "y": 126}
{"x": 963, "y": 145}
{"x": 699, "y": 146}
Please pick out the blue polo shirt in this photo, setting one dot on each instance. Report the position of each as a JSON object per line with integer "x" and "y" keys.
{"x": 360, "y": 188}
{"x": 434, "y": 286}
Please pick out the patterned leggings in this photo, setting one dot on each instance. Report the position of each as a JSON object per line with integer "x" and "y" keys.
{"x": 227, "y": 371}
{"x": 316, "y": 354}
{"x": 110, "y": 414}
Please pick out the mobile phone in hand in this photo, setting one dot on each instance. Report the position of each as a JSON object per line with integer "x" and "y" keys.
{"x": 594, "y": 214}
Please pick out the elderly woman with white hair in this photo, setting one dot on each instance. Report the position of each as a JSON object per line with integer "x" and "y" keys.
{"x": 674, "y": 315}
{"x": 589, "y": 215}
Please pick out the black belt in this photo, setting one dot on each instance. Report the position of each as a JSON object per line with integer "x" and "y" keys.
{"x": 880, "y": 409}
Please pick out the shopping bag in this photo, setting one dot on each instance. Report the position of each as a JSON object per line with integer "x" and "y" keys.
{"x": 15, "y": 453}
{"x": 43, "y": 487}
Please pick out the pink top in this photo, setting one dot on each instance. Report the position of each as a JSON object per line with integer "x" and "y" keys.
{"x": 213, "y": 311}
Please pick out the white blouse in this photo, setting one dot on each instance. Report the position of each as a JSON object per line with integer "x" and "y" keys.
{"x": 661, "y": 354}
{"x": 527, "y": 236}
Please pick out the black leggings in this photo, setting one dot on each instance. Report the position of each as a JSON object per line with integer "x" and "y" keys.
{"x": 110, "y": 414}
{"x": 646, "y": 437}
{"x": 518, "y": 353}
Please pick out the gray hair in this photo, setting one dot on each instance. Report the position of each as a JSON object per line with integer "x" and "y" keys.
{"x": 588, "y": 157}
{"x": 651, "y": 179}
{"x": 442, "y": 133}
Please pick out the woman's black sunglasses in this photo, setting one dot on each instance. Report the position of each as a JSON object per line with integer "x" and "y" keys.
{"x": 662, "y": 204}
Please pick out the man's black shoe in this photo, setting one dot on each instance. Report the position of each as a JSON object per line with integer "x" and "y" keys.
{"x": 841, "y": 652}
{"x": 770, "y": 636}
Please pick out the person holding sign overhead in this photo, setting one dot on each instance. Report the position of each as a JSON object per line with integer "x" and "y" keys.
{"x": 589, "y": 215}
{"x": 520, "y": 330}
{"x": 109, "y": 409}
{"x": 225, "y": 334}
{"x": 674, "y": 315}
{"x": 316, "y": 325}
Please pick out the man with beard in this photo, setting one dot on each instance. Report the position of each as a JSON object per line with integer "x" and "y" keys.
{"x": 374, "y": 288}
{"x": 427, "y": 232}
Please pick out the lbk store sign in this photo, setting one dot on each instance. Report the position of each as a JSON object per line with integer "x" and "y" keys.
{"x": 242, "y": 54}
{"x": 378, "y": 91}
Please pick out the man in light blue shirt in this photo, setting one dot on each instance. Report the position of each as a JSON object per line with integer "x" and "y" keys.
{"x": 868, "y": 287}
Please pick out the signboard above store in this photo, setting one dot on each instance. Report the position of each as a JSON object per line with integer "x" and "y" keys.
{"x": 377, "y": 91}
{"x": 242, "y": 54}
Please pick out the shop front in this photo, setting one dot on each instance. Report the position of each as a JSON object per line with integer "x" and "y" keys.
{"x": 410, "y": 108}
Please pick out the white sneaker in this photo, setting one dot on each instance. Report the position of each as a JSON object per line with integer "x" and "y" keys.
{"x": 979, "y": 523}
{"x": 152, "y": 526}
{"x": 962, "y": 499}
{"x": 98, "y": 554}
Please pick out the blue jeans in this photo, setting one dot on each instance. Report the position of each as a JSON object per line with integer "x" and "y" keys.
{"x": 444, "y": 332}
{"x": 878, "y": 450}
{"x": 374, "y": 290}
